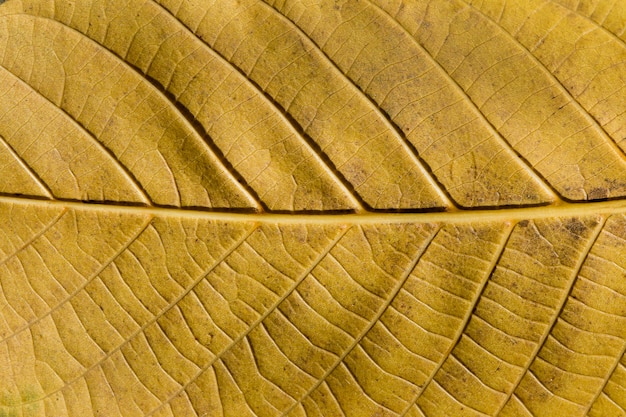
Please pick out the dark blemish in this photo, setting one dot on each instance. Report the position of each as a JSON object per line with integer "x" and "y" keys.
{"x": 598, "y": 194}
{"x": 523, "y": 223}
{"x": 575, "y": 227}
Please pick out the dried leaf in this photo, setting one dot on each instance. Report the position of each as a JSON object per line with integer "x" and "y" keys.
{"x": 347, "y": 207}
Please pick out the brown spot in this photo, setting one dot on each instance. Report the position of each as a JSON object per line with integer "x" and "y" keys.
{"x": 598, "y": 194}
{"x": 575, "y": 227}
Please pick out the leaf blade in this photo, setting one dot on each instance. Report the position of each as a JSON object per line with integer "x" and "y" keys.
{"x": 277, "y": 277}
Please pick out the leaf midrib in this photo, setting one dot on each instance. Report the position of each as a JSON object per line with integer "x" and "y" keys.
{"x": 456, "y": 216}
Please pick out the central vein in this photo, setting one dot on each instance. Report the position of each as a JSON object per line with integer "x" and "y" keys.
{"x": 504, "y": 214}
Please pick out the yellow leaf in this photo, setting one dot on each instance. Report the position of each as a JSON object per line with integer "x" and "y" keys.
{"x": 324, "y": 208}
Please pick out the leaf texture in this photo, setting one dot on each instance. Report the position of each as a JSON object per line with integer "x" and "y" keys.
{"x": 322, "y": 208}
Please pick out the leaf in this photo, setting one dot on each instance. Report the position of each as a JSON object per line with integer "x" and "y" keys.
{"x": 350, "y": 207}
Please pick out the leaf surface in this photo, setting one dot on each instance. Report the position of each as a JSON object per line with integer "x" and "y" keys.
{"x": 278, "y": 208}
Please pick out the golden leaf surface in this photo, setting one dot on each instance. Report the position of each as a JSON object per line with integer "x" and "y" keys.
{"x": 320, "y": 208}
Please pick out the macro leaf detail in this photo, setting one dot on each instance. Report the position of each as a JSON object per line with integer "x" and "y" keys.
{"x": 323, "y": 208}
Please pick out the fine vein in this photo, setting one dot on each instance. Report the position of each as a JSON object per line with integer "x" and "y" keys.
{"x": 391, "y": 125}
{"x": 490, "y": 127}
{"x": 89, "y": 280}
{"x": 99, "y": 145}
{"x": 562, "y": 302}
{"x": 334, "y": 174}
{"x": 143, "y": 328}
{"x": 371, "y": 324}
{"x": 559, "y": 84}
{"x": 470, "y": 312}
{"x": 261, "y": 318}
{"x": 41, "y": 184}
